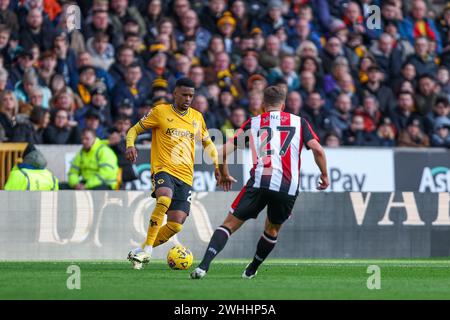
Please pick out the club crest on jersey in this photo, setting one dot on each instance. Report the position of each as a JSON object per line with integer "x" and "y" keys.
{"x": 160, "y": 181}
{"x": 195, "y": 124}
{"x": 170, "y": 120}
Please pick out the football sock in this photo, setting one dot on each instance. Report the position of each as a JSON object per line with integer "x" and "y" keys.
{"x": 166, "y": 232}
{"x": 216, "y": 244}
{"x": 157, "y": 218}
{"x": 265, "y": 245}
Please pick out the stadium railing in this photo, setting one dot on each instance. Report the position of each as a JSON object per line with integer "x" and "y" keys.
{"x": 10, "y": 153}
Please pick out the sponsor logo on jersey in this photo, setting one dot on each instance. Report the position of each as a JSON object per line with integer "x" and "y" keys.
{"x": 179, "y": 133}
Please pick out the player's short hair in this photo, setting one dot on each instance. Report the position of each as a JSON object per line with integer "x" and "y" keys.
{"x": 185, "y": 82}
{"x": 274, "y": 95}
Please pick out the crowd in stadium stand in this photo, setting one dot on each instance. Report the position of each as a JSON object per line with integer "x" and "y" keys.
{"x": 357, "y": 85}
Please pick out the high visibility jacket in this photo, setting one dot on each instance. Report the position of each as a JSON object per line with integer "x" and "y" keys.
{"x": 21, "y": 178}
{"x": 95, "y": 167}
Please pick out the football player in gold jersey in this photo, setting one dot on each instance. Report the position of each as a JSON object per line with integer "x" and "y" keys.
{"x": 175, "y": 128}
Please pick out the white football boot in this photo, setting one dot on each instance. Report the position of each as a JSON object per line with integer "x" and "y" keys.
{"x": 198, "y": 273}
{"x": 138, "y": 258}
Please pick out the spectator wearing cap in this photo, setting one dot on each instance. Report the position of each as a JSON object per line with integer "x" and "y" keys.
{"x": 404, "y": 111}
{"x": 100, "y": 103}
{"x": 426, "y": 94}
{"x": 159, "y": 88}
{"x": 387, "y": 56}
{"x": 375, "y": 87}
{"x": 28, "y": 83}
{"x": 87, "y": 80}
{"x": 226, "y": 25}
{"x": 258, "y": 37}
{"x": 356, "y": 135}
{"x": 417, "y": 25}
{"x": 61, "y": 130}
{"x": 441, "y": 108}
{"x": 24, "y": 60}
{"x": 126, "y": 108}
{"x": 422, "y": 60}
{"x": 189, "y": 49}
{"x": 287, "y": 72}
{"x": 36, "y": 32}
{"x": 101, "y": 50}
{"x": 133, "y": 88}
{"x": 85, "y": 60}
{"x": 441, "y": 133}
{"x": 32, "y": 130}
{"x": 8, "y": 17}
{"x": 211, "y": 13}
{"x": 121, "y": 11}
{"x": 190, "y": 27}
{"x": 92, "y": 121}
{"x": 158, "y": 64}
{"x": 413, "y": 135}
{"x": 270, "y": 57}
{"x": 282, "y": 35}
{"x": 302, "y": 32}
{"x": 273, "y": 19}
{"x": 386, "y": 133}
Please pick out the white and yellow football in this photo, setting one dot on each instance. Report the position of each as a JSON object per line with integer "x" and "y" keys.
{"x": 179, "y": 258}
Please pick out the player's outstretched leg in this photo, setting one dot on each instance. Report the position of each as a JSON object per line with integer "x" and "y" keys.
{"x": 216, "y": 244}
{"x": 264, "y": 247}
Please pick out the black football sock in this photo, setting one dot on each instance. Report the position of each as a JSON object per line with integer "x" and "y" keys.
{"x": 216, "y": 244}
{"x": 265, "y": 245}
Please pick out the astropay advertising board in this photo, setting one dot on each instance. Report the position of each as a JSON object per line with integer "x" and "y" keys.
{"x": 360, "y": 170}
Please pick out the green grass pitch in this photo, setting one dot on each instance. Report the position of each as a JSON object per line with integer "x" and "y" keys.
{"x": 277, "y": 279}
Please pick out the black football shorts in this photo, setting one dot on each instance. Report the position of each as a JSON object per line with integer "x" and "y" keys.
{"x": 181, "y": 191}
{"x": 251, "y": 201}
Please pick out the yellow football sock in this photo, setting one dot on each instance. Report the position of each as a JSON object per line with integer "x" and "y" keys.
{"x": 166, "y": 232}
{"x": 157, "y": 218}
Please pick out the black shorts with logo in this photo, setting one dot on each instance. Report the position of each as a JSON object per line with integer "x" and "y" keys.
{"x": 181, "y": 191}
{"x": 251, "y": 201}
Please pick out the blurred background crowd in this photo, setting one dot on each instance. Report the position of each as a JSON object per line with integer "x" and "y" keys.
{"x": 358, "y": 83}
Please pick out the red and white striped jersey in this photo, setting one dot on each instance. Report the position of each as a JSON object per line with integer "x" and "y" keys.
{"x": 276, "y": 140}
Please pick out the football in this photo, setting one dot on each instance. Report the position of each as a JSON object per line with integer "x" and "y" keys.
{"x": 179, "y": 258}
